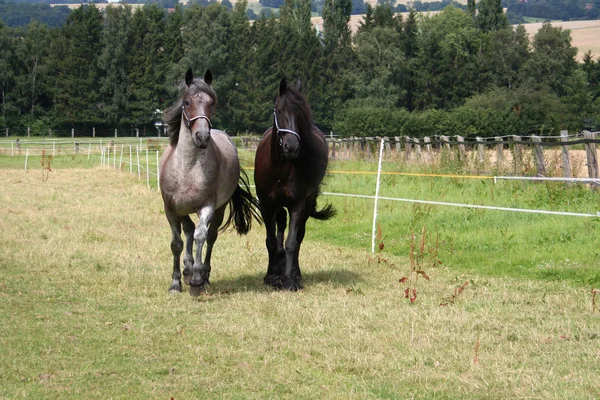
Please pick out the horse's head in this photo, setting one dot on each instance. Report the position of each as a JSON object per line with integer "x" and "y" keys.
{"x": 198, "y": 102}
{"x": 291, "y": 118}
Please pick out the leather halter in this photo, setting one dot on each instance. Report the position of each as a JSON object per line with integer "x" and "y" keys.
{"x": 190, "y": 121}
{"x": 283, "y": 129}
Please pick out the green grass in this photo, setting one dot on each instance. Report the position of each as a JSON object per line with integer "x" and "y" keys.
{"x": 85, "y": 264}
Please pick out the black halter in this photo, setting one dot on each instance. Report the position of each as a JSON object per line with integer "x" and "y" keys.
{"x": 283, "y": 129}
{"x": 190, "y": 121}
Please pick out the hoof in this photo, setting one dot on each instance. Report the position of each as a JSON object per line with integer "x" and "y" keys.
{"x": 196, "y": 291}
{"x": 293, "y": 285}
{"x": 273, "y": 281}
{"x": 174, "y": 292}
{"x": 175, "y": 288}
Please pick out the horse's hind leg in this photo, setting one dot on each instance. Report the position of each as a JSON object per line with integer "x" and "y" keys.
{"x": 188, "y": 258}
{"x": 176, "y": 249}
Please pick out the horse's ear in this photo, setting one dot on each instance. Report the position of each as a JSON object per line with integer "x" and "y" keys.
{"x": 189, "y": 77}
{"x": 282, "y": 86}
{"x": 299, "y": 85}
{"x": 208, "y": 77}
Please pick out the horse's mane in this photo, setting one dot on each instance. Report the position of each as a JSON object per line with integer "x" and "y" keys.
{"x": 293, "y": 101}
{"x": 173, "y": 113}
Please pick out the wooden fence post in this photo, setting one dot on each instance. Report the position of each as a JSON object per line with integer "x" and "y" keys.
{"x": 386, "y": 144}
{"x": 566, "y": 161}
{"x": 518, "y": 159}
{"x": 499, "y": 152}
{"x": 407, "y": 147}
{"x": 427, "y": 141}
{"x": 462, "y": 152}
{"x": 398, "y": 147}
{"x": 446, "y": 142}
{"x": 332, "y": 148}
{"x": 480, "y": 150}
{"x": 417, "y": 144}
{"x": 539, "y": 155}
{"x": 590, "y": 152}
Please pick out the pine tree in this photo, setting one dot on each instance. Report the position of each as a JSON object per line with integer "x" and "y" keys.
{"x": 74, "y": 63}
{"x": 114, "y": 63}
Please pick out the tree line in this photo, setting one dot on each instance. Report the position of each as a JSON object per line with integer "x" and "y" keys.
{"x": 464, "y": 72}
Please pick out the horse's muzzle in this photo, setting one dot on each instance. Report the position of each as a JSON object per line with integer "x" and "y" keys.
{"x": 201, "y": 139}
{"x": 291, "y": 152}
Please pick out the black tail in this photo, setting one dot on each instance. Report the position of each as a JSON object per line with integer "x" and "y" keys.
{"x": 243, "y": 207}
{"x": 325, "y": 213}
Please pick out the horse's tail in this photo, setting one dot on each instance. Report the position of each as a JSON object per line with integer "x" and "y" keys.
{"x": 243, "y": 207}
{"x": 324, "y": 213}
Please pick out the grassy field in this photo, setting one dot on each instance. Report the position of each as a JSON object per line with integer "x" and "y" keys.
{"x": 509, "y": 312}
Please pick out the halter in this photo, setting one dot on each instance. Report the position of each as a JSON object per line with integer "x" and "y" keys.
{"x": 190, "y": 121}
{"x": 283, "y": 129}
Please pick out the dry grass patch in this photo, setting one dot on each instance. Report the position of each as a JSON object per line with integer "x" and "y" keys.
{"x": 85, "y": 313}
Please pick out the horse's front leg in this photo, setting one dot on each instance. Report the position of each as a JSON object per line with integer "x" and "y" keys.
{"x": 273, "y": 277}
{"x": 292, "y": 278}
{"x": 200, "y": 273}
{"x": 188, "y": 258}
{"x": 176, "y": 249}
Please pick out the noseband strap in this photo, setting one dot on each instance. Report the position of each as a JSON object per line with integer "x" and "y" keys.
{"x": 279, "y": 130}
{"x": 190, "y": 121}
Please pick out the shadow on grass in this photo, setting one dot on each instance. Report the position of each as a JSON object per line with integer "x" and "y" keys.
{"x": 335, "y": 278}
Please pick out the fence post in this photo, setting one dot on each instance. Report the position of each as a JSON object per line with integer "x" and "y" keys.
{"x": 499, "y": 152}
{"x": 462, "y": 153}
{"x": 590, "y": 152}
{"x": 518, "y": 159}
{"x": 147, "y": 170}
{"x": 417, "y": 144}
{"x": 332, "y": 148}
{"x": 539, "y": 155}
{"x": 398, "y": 146}
{"x": 93, "y": 132}
{"x": 427, "y": 142}
{"x": 388, "y": 149}
{"x": 72, "y": 132}
{"x": 28, "y": 132}
{"x": 480, "y": 150}
{"x": 115, "y": 133}
{"x": 137, "y": 132}
{"x": 407, "y": 147}
{"x": 566, "y": 161}
{"x": 137, "y": 153}
{"x": 446, "y": 143}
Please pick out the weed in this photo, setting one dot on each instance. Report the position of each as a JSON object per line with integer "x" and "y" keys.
{"x": 457, "y": 291}
{"x": 380, "y": 246}
{"x": 594, "y": 305}
{"x": 46, "y": 162}
{"x": 417, "y": 260}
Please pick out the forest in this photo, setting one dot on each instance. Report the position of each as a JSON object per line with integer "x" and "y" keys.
{"x": 461, "y": 71}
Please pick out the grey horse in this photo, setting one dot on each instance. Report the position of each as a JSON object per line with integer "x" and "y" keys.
{"x": 200, "y": 173}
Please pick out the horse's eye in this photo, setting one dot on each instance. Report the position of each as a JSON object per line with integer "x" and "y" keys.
{"x": 186, "y": 103}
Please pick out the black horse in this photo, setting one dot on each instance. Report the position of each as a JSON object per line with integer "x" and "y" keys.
{"x": 290, "y": 163}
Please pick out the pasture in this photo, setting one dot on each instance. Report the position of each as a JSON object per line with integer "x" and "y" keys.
{"x": 511, "y": 307}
